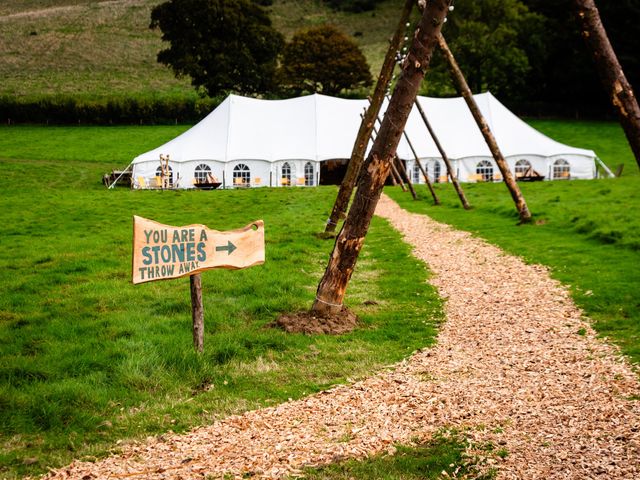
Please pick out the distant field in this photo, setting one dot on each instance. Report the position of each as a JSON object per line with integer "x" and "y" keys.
{"x": 89, "y": 48}
{"x": 118, "y": 145}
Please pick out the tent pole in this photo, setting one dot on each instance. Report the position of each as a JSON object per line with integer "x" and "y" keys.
{"x": 445, "y": 158}
{"x": 464, "y": 90}
{"x": 402, "y": 172}
{"x": 436, "y": 200}
{"x": 396, "y": 179}
{"x": 120, "y": 176}
{"x": 606, "y": 169}
{"x": 364, "y": 133}
{"x": 396, "y": 174}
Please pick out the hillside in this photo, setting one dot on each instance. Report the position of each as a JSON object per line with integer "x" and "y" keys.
{"x": 105, "y": 48}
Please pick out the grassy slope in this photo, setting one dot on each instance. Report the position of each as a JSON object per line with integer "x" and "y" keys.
{"x": 91, "y": 48}
{"x": 82, "y": 48}
{"x": 87, "y": 358}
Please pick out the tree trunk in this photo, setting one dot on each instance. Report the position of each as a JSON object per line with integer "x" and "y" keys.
{"x": 332, "y": 287}
{"x": 445, "y": 159}
{"x": 366, "y": 127}
{"x": 464, "y": 91}
{"x": 610, "y": 71}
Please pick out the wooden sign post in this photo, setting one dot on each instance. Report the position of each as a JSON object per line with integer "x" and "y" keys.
{"x": 162, "y": 252}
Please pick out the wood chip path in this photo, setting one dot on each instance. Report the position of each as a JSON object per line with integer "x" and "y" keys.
{"x": 509, "y": 366}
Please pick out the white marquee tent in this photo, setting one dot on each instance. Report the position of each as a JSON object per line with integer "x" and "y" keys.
{"x": 251, "y": 142}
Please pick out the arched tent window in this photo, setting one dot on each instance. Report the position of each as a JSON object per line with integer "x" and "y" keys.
{"x": 521, "y": 167}
{"x": 159, "y": 174}
{"x": 561, "y": 169}
{"x": 202, "y": 173}
{"x": 286, "y": 174}
{"x": 309, "y": 174}
{"x": 485, "y": 170}
{"x": 437, "y": 171}
{"x": 241, "y": 175}
{"x": 416, "y": 172}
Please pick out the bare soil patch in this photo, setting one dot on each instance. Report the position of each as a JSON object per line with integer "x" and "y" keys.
{"x": 311, "y": 323}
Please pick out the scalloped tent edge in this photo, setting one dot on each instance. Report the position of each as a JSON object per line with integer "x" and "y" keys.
{"x": 253, "y": 142}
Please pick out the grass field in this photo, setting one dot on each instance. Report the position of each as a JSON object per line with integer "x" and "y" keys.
{"x": 94, "y": 49}
{"x": 88, "y": 358}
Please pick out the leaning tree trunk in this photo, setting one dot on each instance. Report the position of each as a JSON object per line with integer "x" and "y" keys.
{"x": 610, "y": 71}
{"x": 465, "y": 91}
{"x": 333, "y": 285}
{"x": 366, "y": 127}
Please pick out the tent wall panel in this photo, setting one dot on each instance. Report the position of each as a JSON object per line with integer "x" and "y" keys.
{"x": 264, "y": 134}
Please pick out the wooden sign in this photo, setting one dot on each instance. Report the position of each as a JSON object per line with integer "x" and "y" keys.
{"x": 161, "y": 251}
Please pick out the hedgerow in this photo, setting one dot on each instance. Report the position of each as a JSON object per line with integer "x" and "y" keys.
{"x": 66, "y": 110}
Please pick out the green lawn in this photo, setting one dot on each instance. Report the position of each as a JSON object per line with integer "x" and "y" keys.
{"x": 88, "y": 359}
{"x": 587, "y": 232}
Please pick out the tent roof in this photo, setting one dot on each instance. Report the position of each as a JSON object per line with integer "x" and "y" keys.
{"x": 319, "y": 127}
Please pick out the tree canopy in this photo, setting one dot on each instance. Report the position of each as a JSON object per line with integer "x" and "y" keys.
{"x": 494, "y": 42}
{"x": 531, "y": 55}
{"x": 324, "y": 60}
{"x": 566, "y": 67}
{"x": 223, "y": 45}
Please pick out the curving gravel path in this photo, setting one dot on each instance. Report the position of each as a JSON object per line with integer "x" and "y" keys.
{"x": 510, "y": 367}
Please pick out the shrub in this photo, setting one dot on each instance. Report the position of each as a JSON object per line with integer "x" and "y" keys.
{"x": 105, "y": 111}
{"x": 324, "y": 60}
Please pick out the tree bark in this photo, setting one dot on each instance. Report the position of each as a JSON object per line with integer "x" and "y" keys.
{"x": 197, "y": 312}
{"x": 445, "y": 159}
{"x": 610, "y": 71}
{"x": 366, "y": 127}
{"x": 465, "y": 91}
{"x": 332, "y": 287}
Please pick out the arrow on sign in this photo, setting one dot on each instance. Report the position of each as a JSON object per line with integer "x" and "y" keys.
{"x": 229, "y": 247}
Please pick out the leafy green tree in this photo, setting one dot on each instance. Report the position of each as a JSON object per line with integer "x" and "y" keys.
{"x": 493, "y": 41}
{"x": 223, "y": 45}
{"x": 565, "y": 76}
{"x": 324, "y": 60}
